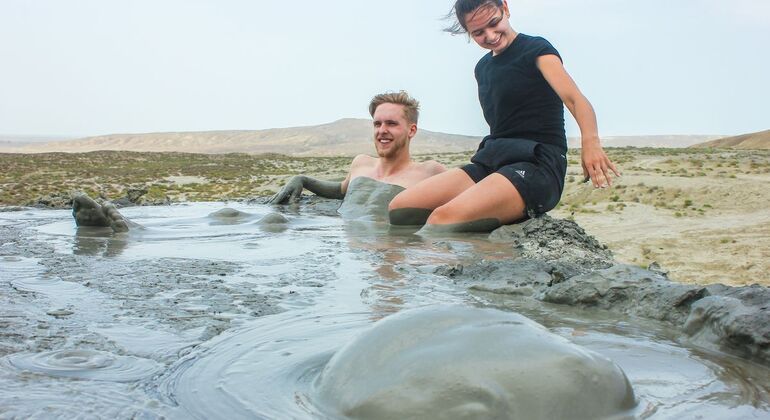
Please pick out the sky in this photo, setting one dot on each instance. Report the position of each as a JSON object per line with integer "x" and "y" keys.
{"x": 92, "y": 67}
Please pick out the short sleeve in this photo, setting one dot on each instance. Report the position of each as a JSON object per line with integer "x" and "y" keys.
{"x": 543, "y": 47}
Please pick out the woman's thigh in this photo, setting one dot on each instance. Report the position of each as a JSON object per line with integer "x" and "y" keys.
{"x": 434, "y": 191}
{"x": 494, "y": 197}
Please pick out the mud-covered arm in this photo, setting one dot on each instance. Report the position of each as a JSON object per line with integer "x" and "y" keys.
{"x": 291, "y": 192}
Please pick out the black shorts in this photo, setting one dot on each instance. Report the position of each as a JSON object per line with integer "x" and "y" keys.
{"x": 537, "y": 170}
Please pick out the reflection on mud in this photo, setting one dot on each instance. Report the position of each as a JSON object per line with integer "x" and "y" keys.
{"x": 96, "y": 241}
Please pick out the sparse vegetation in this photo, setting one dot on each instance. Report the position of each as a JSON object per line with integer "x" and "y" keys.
{"x": 199, "y": 177}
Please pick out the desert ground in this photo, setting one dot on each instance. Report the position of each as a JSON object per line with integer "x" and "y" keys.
{"x": 700, "y": 214}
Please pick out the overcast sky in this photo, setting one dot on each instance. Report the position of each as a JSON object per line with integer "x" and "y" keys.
{"x": 90, "y": 67}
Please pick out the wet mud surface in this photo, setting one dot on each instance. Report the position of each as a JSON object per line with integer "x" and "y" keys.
{"x": 221, "y": 316}
{"x": 561, "y": 264}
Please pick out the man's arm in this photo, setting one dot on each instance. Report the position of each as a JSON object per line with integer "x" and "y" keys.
{"x": 327, "y": 189}
{"x": 291, "y": 192}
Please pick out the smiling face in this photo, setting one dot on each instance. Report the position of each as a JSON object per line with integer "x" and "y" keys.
{"x": 489, "y": 27}
{"x": 392, "y": 131}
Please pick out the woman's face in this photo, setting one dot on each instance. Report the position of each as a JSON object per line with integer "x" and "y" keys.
{"x": 489, "y": 27}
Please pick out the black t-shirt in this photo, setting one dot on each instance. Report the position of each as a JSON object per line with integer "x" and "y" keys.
{"x": 516, "y": 99}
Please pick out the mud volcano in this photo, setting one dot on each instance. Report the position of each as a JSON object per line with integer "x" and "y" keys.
{"x": 454, "y": 362}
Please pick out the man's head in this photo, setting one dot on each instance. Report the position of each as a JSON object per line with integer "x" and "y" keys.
{"x": 411, "y": 105}
{"x": 395, "y": 122}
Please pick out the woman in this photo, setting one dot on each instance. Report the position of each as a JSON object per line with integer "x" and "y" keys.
{"x": 519, "y": 168}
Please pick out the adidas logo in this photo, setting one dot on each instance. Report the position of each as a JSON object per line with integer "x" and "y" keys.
{"x": 521, "y": 173}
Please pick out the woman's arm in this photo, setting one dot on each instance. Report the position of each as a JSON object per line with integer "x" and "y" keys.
{"x": 596, "y": 164}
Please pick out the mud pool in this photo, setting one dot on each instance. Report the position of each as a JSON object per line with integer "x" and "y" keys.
{"x": 200, "y": 317}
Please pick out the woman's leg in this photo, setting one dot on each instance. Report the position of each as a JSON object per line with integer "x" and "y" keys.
{"x": 413, "y": 205}
{"x": 493, "y": 202}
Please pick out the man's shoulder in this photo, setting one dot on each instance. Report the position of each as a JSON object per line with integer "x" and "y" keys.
{"x": 363, "y": 160}
{"x": 431, "y": 166}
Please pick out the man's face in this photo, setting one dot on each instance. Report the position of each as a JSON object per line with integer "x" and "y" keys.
{"x": 392, "y": 131}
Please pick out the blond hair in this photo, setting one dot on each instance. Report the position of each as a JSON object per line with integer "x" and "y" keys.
{"x": 411, "y": 105}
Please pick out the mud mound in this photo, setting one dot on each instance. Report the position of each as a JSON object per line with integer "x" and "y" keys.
{"x": 461, "y": 362}
{"x": 561, "y": 264}
{"x": 558, "y": 240}
{"x": 731, "y": 319}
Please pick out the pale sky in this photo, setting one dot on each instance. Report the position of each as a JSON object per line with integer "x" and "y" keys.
{"x": 91, "y": 67}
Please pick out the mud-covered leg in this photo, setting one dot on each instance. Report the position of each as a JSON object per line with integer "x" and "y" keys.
{"x": 87, "y": 212}
{"x": 413, "y": 205}
{"x": 409, "y": 216}
{"x": 493, "y": 202}
{"x": 118, "y": 223}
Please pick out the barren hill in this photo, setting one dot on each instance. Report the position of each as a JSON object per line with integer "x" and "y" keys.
{"x": 346, "y": 137}
{"x": 655, "y": 141}
{"x": 759, "y": 140}
{"x": 8, "y": 141}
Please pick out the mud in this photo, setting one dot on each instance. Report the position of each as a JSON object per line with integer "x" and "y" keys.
{"x": 210, "y": 313}
{"x": 450, "y": 362}
{"x": 368, "y": 199}
{"x": 561, "y": 264}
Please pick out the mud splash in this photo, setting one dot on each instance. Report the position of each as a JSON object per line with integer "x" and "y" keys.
{"x": 193, "y": 317}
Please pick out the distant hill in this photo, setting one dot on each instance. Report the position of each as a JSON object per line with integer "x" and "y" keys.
{"x": 346, "y": 137}
{"x": 657, "y": 141}
{"x": 759, "y": 140}
{"x": 8, "y": 141}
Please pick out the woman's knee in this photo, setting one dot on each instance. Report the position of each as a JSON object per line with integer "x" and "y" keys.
{"x": 400, "y": 201}
{"x": 444, "y": 215}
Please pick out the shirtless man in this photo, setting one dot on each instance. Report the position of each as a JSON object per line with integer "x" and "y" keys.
{"x": 395, "y": 123}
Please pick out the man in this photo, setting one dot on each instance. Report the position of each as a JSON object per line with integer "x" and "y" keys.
{"x": 394, "y": 118}
{"x": 395, "y": 124}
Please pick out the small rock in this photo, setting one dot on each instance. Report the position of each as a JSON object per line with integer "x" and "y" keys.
{"x": 60, "y": 313}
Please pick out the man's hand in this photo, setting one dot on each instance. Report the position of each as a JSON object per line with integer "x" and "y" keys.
{"x": 290, "y": 192}
{"x": 597, "y": 166}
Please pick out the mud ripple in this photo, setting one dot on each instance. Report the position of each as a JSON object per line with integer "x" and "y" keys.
{"x": 86, "y": 364}
{"x": 265, "y": 370}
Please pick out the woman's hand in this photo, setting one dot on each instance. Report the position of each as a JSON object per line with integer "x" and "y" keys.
{"x": 596, "y": 165}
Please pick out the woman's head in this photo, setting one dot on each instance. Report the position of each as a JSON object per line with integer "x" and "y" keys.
{"x": 485, "y": 21}
{"x": 465, "y": 8}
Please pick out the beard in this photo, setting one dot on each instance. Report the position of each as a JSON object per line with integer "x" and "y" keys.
{"x": 392, "y": 150}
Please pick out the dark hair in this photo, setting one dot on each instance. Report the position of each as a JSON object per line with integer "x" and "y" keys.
{"x": 462, "y": 8}
{"x": 411, "y": 105}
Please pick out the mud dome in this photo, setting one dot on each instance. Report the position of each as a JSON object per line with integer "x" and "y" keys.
{"x": 453, "y": 362}
{"x": 205, "y": 313}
